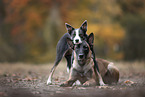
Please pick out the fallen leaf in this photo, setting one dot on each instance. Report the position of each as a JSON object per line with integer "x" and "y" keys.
{"x": 128, "y": 82}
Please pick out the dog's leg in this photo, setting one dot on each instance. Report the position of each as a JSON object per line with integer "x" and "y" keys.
{"x": 68, "y": 83}
{"x": 73, "y": 76}
{"x": 62, "y": 48}
{"x": 94, "y": 58}
{"x": 90, "y": 82}
{"x": 112, "y": 74}
{"x": 101, "y": 82}
{"x": 58, "y": 59}
{"x": 49, "y": 81}
{"x": 71, "y": 80}
{"x": 68, "y": 58}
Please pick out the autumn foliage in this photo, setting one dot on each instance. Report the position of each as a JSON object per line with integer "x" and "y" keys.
{"x": 30, "y": 29}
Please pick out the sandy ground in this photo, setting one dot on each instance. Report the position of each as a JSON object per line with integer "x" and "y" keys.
{"x": 29, "y": 80}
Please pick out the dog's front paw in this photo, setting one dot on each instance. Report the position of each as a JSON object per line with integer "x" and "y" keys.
{"x": 86, "y": 84}
{"x": 49, "y": 82}
{"x": 103, "y": 84}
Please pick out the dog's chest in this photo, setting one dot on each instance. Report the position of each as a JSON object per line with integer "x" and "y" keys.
{"x": 84, "y": 68}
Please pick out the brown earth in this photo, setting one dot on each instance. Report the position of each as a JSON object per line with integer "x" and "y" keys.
{"x": 29, "y": 80}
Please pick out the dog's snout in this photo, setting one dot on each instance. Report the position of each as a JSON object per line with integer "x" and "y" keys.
{"x": 81, "y": 56}
{"x": 77, "y": 40}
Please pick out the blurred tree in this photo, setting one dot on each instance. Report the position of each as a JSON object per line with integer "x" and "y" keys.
{"x": 30, "y": 29}
{"x": 6, "y": 52}
{"x": 134, "y": 48}
{"x": 132, "y": 6}
{"x": 133, "y": 20}
{"x": 53, "y": 30}
{"x": 24, "y": 19}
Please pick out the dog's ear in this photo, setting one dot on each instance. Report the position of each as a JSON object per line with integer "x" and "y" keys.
{"x": 69, "y": 28}
{"x": 90, "y": 39}
{"x": 70, "y": 43}
{"x": 84, "y": 26}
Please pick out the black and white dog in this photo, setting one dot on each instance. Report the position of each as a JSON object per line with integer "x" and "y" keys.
{"x": 64, "y": 50}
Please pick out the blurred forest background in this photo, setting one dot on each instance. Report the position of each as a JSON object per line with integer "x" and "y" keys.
{"x": 30, "y": 29}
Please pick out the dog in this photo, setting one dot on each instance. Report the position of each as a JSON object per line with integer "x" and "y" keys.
{"x": 63, "y": 49}
{"x": 83, "y": 66}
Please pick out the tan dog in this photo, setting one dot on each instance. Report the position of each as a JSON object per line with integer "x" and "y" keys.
{"x": 83, "y": 66}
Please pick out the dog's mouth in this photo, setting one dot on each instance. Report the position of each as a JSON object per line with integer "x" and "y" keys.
{"x": 81, "y": 61}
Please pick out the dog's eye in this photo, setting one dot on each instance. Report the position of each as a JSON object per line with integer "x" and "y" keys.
{"x": 74, "y": 34}
{"x": 81, "y": 35}
{"x": 85, "y": 47}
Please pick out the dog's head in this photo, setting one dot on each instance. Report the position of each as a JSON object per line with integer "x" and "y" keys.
{"x": 82, "y": 51}
{"x": 77, "y": 35}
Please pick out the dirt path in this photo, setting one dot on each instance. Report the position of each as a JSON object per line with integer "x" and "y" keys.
{"x": 27, "y": 80}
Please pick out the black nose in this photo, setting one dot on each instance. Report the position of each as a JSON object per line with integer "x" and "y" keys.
{"x": 77, "y": 40}
{"x": 81, "y": 56}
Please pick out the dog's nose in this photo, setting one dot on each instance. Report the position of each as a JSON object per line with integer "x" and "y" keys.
{"x": 81, "y": 56}
{"x": 77, "y": 40}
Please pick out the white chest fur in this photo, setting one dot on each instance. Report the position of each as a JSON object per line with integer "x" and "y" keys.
{"x": 89, "y": 64}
